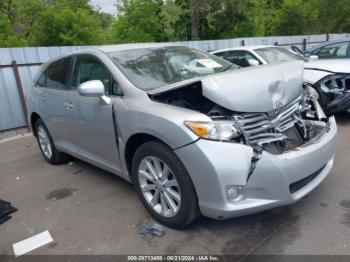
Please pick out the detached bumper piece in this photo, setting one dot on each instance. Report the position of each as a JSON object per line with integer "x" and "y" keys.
{"x": 5, "y": 210}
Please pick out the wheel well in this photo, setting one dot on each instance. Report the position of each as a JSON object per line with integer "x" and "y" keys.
{"x": 33, "y": 118}
{"x": 134, "y": 142}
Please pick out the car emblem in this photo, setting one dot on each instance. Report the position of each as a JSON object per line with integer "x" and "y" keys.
{"x": 277, "y": 107}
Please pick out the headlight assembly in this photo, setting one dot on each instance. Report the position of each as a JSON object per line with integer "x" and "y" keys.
{"x": 336, "y": 84}
{"x": 216, "y": 130}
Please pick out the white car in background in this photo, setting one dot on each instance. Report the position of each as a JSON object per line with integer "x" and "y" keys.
{"x": 330, "y": 78}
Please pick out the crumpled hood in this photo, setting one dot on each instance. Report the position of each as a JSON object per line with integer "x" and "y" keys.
{"x": 332, "y": 65}
{"x": 255, "y": 89}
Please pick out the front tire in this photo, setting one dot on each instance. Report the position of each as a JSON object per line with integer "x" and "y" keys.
{"x": 46, "y": 145}
{"x": 164, "y": 185}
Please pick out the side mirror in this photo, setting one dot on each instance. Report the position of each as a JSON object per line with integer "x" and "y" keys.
{"x": 93, "y": 88}
{"x": 313, "y": 57}
{"x": 253, "y": 62}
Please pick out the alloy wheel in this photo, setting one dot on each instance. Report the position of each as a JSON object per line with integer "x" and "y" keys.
{"x": 159, "y": 186}
{"x": 44, "y": 142}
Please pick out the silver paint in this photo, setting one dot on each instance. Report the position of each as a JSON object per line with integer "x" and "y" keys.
{"x": 85, "y": 130}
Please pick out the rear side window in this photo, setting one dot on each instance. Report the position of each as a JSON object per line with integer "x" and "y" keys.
{"x": 220, "y": 54}
{"x": 56, "y": 75}
{"x": 240, "y": 58}
{"x": 338, "y": 50}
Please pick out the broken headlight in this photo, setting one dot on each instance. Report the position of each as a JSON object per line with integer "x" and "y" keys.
{"x": 216, "y": 130}
{"x": 336, "y": 84}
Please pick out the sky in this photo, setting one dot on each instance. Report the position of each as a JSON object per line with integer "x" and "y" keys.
{"x": 106, "y": 6}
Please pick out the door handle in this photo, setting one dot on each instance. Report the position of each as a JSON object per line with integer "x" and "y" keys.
{"x": 42, "y": 99}
{"x": 68, "y": 105}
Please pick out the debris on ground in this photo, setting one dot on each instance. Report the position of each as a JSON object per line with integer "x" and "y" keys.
{"x": 5, "y": 210}
{"x": 34, "y": 242}
{"x": 77, "y": 172}
{"x": 152, "y": 229}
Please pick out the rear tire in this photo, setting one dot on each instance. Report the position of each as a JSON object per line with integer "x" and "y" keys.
{"x": 46, "y": 144}
{"x": 175, "y": 200}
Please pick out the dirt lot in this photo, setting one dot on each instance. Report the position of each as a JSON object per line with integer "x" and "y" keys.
{"x": 89, "y": 211}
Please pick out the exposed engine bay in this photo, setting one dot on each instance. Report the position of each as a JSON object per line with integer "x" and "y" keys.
{"x": 334, "y": 93}
{"x": 300, "y": 122}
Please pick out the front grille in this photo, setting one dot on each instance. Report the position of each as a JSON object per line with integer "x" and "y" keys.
{"x": 294, "y": 187}
{"x": 260, "y": 128}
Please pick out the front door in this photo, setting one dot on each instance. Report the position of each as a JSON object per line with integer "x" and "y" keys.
{"x": 90, "y": 119}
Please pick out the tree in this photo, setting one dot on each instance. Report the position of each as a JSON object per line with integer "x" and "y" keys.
{"x": 334, "y": 16}
{"x": 66, "y": 22}
{"x": 18, "y": 19}
{"x": 139, "y": 21}
{"x": 295, "y": 17}
{"x": 175, "y": 21}
{"x": 106, "y": 20}
{"x": 227, "y": 19}
{"x": 195, "y": 6}
{"x": 76, "y": 22}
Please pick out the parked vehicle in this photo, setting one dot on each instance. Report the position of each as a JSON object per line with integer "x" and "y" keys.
{"x": 336, "y": 49}
{"x": 330, "y": 78}
{"x": 193, "y": 135}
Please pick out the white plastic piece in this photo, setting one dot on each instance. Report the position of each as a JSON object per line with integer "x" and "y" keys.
{"x": 209, "y": 63}
{"x": 34, "y": 242}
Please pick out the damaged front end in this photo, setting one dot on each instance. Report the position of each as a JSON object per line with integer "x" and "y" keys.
{"x": 334, "y": 93}
{"x": 265, "y": 140}
{"x": 272, "y": 112}
{"x": 297, "y": 124}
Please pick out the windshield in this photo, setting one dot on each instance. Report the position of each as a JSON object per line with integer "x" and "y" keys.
{"x": 150, "y": 68}
{"x": 277, "y": 55}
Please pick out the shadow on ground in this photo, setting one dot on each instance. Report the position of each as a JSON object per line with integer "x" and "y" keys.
{"x": 343, "y": 118}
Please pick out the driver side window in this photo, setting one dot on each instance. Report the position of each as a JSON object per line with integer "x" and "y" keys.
{"x": 90, "y": 68}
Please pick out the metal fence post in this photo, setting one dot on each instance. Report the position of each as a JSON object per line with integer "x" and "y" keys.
{"x": 242, "y": 42}
{"x": 304, "y": 44}
{"x": 276, "y": 43}
{"x": 21, "y": 93}
{"x": 327, "y": 37}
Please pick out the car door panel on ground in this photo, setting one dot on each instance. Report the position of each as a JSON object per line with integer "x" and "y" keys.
{"x": 90, "y": 119}
{"x": 51, "y": 85}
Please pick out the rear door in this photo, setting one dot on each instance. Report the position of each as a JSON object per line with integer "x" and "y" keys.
{"x": 90, "y": 119}
{"x": 51, "y": 87}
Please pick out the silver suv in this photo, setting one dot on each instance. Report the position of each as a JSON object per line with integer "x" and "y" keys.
{"x": 193, "y": 132}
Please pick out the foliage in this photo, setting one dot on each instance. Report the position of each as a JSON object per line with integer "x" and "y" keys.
{"x": 54, "y": 22}
{"x": 76, "y": 22}
{"x": 17, "y": 19}
{"x": 139, "y": 21}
